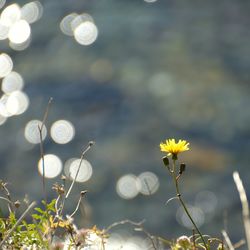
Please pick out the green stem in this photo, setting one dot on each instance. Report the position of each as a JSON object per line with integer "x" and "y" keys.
{"x": 182, "y": 202}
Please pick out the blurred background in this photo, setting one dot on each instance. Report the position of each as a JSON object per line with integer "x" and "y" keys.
{"x": 128, "y": 75}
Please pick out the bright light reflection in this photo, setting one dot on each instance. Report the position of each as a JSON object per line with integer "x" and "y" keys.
{"x": 93, "y": 241}
{"x": 79, "y": 19}
{"x": 17, "y": 103}
{"x": 52, "y": 166}
{"x": 4, "y": 30}
{"x": 128, "y": 186}
{"x": 129, "y": 243}
{"x": 12, "y": 82}
{"x": 32, "y": 12}
{"x": 2, "y": 3}
{"x": 20, "y": 46}
{"x": 67, "y": 164}
{"x": 115, "y": 241}
{"x": 207, "y": 201}
{"x": 196, "y": 213}
{"x": 85, "y": 170}
{"x": 149, "y": 183}
{"x": 150, "y": 1}
{"x": 62, "y": 131}
{"x": 6, "y": 65}
{"x": 65, "y": 24}
{"x": 31, "y": 131}
{"x": 19, "y": 32}
{"x": 131, "y": 246}
{"x": 3, "y": 109}
{"x": 3, "y": 119}
{"x": 86, "y": 33}
{"x": 139, "y": 242}
{"x": 11, "y": 14}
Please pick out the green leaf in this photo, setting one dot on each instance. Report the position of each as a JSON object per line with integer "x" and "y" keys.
{"x": 39, "y": 210}
{"x": 36, "y": 216}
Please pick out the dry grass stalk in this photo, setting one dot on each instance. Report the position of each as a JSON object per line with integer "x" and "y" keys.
{"x": 227, "y": 240}
{"x": 245, "y": 206}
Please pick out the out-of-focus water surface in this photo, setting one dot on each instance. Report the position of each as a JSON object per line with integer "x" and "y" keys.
{"x": 128, "y": 75}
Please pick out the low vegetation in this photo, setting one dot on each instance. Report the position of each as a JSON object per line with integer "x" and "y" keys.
{"x": 48, "y": 227}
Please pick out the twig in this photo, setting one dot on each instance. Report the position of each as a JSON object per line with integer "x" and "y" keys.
{"x": 77, "y": 207}
{"x": 151, "y": 237}
{"x": 5, "y": 199}
{"x": 17, "y": 223}
{"x": 7, "y": 192}
{"x": 245, "y": 206}
{"x": 147, "y": 186}
{"x": 115, "y": 224}
{"x": 9, "y": 204}
{"x": 40, "y": 129}
{"x": 79, "y": 202}
{"x": 91, "y": 143}
{"x": 239, "y": 243}
{"x": 227, "y": 240}
{"x": 164, "y": 241}
{"x": 139, "y": 227}
{"x": 173, "y": 198}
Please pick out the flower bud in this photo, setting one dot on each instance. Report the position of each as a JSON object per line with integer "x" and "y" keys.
{"x": 165, "y": 161}
{"x": 184, "y": 242}
{"x": 63, "y": 177}
{"x": 17, "y": 204}
{"x": 182, "y": 168}
{"x": 83, "y": 193}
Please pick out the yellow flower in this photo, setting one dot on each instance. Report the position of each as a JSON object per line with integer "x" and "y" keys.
{"x": 173, "y": 148}
{"x": 60, "y": 223}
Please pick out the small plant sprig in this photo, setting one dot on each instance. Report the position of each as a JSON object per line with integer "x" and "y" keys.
{"x": 173, "y": 148}
{"x": 49, "y": 219}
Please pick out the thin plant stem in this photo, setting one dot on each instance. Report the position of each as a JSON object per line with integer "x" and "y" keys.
{"x": 151, "y": 238}
{"x": 17, "y": 223}
{"x": 139, "y": 227}
{"x": 7, "y": 192}
{"x": 5, "y": 199}
{"x": 77, "y": 207}
{"x": 43, "y": 164}
{"x": 194, "y": 238}
{"x": 175, "y": 179}
{"x": 90, "y": 144}
{"x": 227, "y": 240}
{"x": 9, "y": 203}
{"x": 40, "y": 129}
{"x": 245, "y": 206}
{"x": 239, "y": 243}
{"x": 62, "y": 206}
{"x": 115, "y": 224}
{"x": 80, "y": 163}
{"x": 79, "y": 202}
